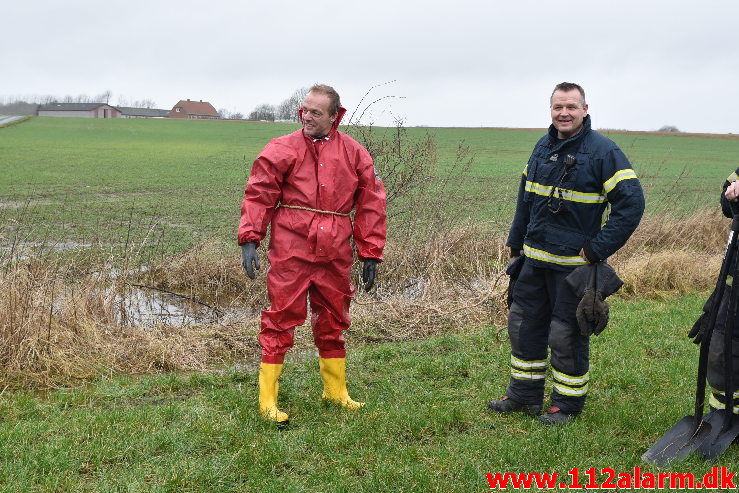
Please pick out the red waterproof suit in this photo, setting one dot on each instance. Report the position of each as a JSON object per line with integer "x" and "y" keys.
{"x": 310, "y": 252}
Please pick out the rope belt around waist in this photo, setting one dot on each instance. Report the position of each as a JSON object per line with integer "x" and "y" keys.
{"x": 314, "y": 210}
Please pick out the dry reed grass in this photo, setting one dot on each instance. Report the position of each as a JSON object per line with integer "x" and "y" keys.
{"x": 55, "y": 331}
{"x": 668, "y": 256}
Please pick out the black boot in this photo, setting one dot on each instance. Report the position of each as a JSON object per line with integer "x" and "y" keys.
{"x": 507, "y": 405}
{"x": 555, "y": 416}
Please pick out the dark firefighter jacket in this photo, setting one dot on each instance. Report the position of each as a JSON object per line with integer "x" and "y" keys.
{"x": 575, "y": 193}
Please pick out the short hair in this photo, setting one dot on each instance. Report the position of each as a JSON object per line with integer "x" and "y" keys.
{"x": 567, "y": 87}
{"x": 333, "y": 96}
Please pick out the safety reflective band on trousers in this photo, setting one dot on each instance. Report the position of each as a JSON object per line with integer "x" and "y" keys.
{"x": 570, "y": 385}
{"x": 715, "y": 403}
{"x": 528, "y": 370}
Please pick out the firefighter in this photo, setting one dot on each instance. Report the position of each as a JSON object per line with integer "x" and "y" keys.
{"x": 305, "y": 185}
{"x": 579, "y": 201}
{"x": 716, "y": 360}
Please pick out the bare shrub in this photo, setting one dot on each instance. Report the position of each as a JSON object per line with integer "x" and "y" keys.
{"x": 210, "y": 271}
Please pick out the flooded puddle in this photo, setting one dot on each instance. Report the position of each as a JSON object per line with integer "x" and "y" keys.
{"x": 144, "y": 307}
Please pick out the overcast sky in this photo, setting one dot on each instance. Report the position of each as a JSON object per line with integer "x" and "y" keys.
{"x": 643, "y": 63}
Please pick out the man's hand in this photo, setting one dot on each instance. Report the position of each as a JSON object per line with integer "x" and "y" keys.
{"x": 249, "y": 258}
{"x": 732, "y": 192}
{"x": 368, "y": 273}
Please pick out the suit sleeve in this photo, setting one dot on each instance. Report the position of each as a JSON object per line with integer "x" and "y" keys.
{"x": 626, "y": 200}
{"x": 370, "y": 216}
{"x": 263, "y": 191}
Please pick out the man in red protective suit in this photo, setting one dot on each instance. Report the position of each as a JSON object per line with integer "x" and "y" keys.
{"x": 306, "y": 184}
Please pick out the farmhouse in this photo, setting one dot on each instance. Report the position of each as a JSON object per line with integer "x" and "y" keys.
{"x": 142, "y": 112}
{"x": 194, "y": 110}
{"x": 79, "y": 110}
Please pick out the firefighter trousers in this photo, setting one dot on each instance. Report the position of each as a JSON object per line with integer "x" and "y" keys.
{"x": 542, "y": 316}
{"x": 716, "y": 359}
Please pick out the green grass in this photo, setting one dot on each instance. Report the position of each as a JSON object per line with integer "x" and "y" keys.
{"x": 95, "y": 181}
{"x": 424, "y": 428}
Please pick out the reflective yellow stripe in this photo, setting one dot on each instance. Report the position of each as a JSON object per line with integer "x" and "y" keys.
{"x": 538, "y": 188}
{"x": 569, "y": 379}
{"x": 551, "y": 258}
{"x": 721, "y": 393}
{"x": 518, "y": 375}
{"x": 528, "y": 370}
{"x": 729, "y": 280}
{"x": 606, "y": 214}
{"x": 571, "y": 195}
{"x": 526, "y": 170}
{"x": 732, "y": 177}
{"x": 570, "y": 384}
{"x": 621, "y": 175}
{"x": 570, "y": 391}
{"x": 717, "y": 404}
{"x": 519, "y": 363}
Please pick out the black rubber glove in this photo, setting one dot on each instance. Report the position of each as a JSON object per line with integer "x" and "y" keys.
{"x": 513, "y": 269}
{"x": 369, "y": 270}
{"x": 696, "y": 331}
{"x": 699, "y": 327}
{"x": 592, "y": 313}
{"x": 249, "y": 258}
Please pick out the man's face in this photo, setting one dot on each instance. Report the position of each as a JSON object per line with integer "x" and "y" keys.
{"x": 568, "y": 112}
{"x": 316, "y": 118}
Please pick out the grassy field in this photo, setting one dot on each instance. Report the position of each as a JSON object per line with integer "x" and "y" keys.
{"x": 72, "y": 183}
{"x": 424, "y": 427}
{"x": 89, "y": 181}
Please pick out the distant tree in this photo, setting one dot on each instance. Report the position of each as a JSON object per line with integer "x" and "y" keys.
{"x": 140, "y": 103}
{"x": 288, "y": 109}
{"x": 263, "y": 112}
{"x": 102, "y": 98}
{"x": 145, "y": 103}
{"x": 18, "y": 108}
{"x": 230, "y": 115}
{"x": 669, "y": 128}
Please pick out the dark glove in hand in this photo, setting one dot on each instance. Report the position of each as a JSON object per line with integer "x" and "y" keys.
{"x": 699, "y": 327}
{"x": 592, "y": 313}
{"x": 513, "y": 269}
{"x": 368, "y": 273}
{"x": 509, "y": 295}
{"x": 249, "y": 258}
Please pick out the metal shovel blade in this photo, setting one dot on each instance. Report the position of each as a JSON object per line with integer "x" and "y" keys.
{"x": 719, "y": 439}
{"x": 678, "y": 442}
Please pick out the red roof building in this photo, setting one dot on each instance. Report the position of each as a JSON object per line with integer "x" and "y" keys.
{"x": 194, "y": 110}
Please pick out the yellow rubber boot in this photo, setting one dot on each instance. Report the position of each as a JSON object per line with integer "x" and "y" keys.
{"x": 268, "y": 389}
{"x": 333, "y": 372}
